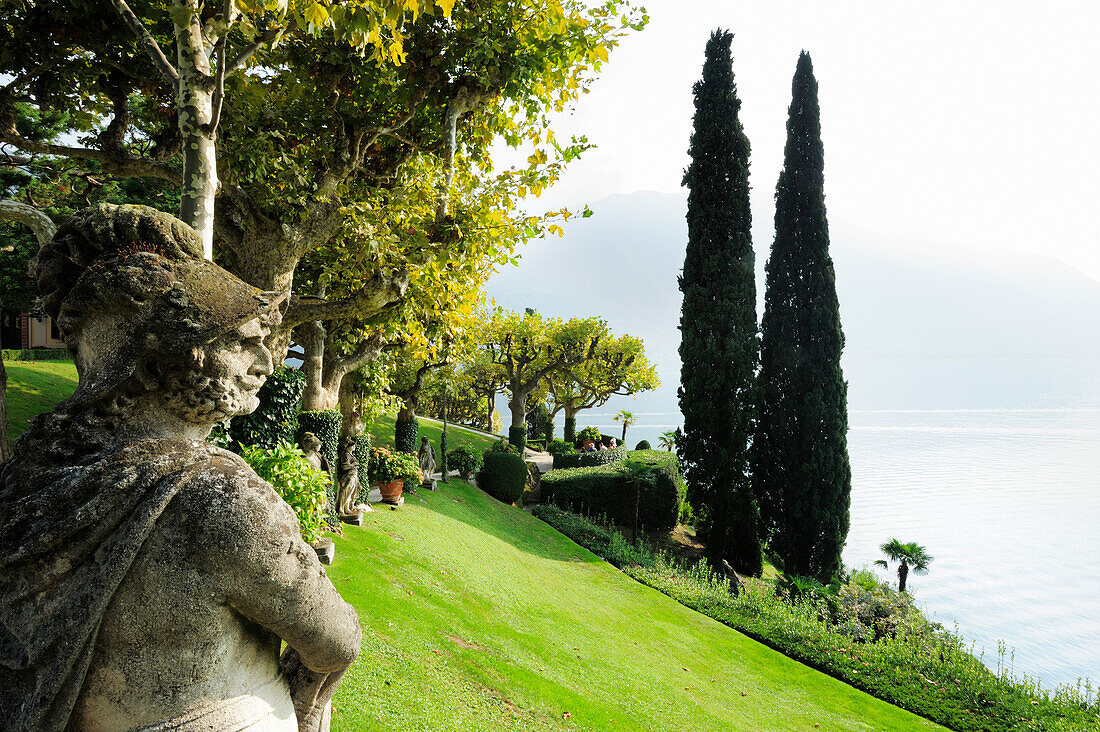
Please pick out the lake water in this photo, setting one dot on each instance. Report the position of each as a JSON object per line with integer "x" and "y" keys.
{"x": 1007, "y": 502}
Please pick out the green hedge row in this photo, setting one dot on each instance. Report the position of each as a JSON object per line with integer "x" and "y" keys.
{"x": 37, "y": 354}
{"x": 590, "y": 459}
{"x": 405, "y": 434}
{"x": 503, "y": 476}
{"x": 604, "y": 491}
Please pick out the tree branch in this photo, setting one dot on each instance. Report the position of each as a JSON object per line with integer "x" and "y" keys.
{"x": 242, "y": 58}
{"x": 337, "y": 368}
{"x": 125, "y": 167}
{"x": 38, "y": 222}
{"x": 379, "y": 292}
{"x": 151, "y": 46}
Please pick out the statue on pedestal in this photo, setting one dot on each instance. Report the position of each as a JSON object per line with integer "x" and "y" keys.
{"x": 347, "y": 495}
{"x": 148, "y": 579}
{"x": 426, "y": 456}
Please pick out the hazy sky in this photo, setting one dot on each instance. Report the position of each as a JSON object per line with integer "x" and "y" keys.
{"x": 973, "y": 124}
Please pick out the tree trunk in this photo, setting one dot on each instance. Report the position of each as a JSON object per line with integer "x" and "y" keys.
{"x": 489, "y": 413}
{"x": 349, "y": 408}
{"x": 903, "y": 573}
{"x": 407, "y": 412}
{"x": 517, "y": 405}
{"x": 624, "y": 433}
{"x": 5, "y": 446}
{"x": 195, "y": 103}
{"x": 315, "y": 397}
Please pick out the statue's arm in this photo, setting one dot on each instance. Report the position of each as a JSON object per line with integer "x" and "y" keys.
{"x": 274, "y": 579}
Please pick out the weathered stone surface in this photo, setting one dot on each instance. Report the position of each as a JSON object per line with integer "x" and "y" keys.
{"x": 347, "y": 494}
{"x": 147, "y": 578}
{"x": 426, "y": 456}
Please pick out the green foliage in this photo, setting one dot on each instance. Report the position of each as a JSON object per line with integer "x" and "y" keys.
{"x": 296, "y": 482}
{"x": 363, "y": 444}
{"x": 607, "y": 490}
{"x": 503, "y": 476}
{"x": 276, "y": 419}
{"x": 37, "y": 354}
{"x": 801, "y": 472}
{"x": 406, "y": 435}
{"x": 569, "y": 432}
{"x": 517, "y": 436}
{"x": 560, "y": 447}
{"x": 908, "y": 662}
{"x": 464, "y": 459}
{"x": 590, "y": 459}
{"x": 668, "y": 439}
{"x": 219, "y": 436}
{"x": 718, "y": 346}
{"x": 387, "y": 466}
{"x": 643, "y": 445}
{"x": 588, "y": 433}
{"x": 504, "y": 446}
{"x": 910, "y": 556}
{"x": 540, "y": 422}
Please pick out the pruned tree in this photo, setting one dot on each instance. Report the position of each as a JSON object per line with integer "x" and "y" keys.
{"x": 800, "y": 455}
{"x": 718, "y": 347}
{"x": 619, "y": 367}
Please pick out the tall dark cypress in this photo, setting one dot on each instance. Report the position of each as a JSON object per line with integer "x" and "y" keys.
{"x": 718, "y": 346}
{"x": 800, "y": 456}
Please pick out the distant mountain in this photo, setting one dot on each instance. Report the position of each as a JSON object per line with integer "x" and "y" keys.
{"x": 926, "y": 326}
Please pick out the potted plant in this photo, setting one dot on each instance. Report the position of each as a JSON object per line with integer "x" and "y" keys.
{"x": 465, "y": 460}
{"x": 587, "y": 437}
{"x": 389, "y": 470}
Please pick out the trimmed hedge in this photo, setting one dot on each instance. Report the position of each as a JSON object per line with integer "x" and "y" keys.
{"x": 406, "y": 433}
{"x": 603, "y": 490}
{"x": 590, "y": 459}
{"x": 569, "y": 433}
{"x": 325, "y": 424}
{"x": 643, "y": 445}
{"x": 517, "y": 436}
{"x": 37, "y": 354}
{"x": 503, "y": 476}
{"x": 276, "y": 419}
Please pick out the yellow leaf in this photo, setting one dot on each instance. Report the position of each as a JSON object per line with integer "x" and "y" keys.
{"x": 446, "y": 6}
{"x": 601, "y": 51}
{"x": 316, "y": 14}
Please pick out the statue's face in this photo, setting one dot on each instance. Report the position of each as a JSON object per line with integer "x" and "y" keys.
{"x": 224, "y": 379}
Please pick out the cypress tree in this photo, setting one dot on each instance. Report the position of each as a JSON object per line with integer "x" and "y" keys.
{"x": 718, "y": 346}
{"x": 800, "y": 457}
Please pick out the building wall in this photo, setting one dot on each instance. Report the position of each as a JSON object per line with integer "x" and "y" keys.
{"x": 42, "y": 334}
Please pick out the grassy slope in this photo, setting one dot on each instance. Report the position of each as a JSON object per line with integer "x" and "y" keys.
{"x": 477, "y": 616}
{"x": 35, "y": 387}
{"x": 382, "y": 429}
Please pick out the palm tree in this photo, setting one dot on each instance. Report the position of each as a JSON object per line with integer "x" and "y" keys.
{"x": 909, "y": 556}
{"x": 627, "y": 418}
{"x": 668, "y": 439}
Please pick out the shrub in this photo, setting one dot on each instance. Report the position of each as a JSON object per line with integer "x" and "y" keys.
{"x": 548, "y": 432}
{"x": 503, "y": 475}
{"x": 363, "y": 445}
{"x": 503, "y": 445}
{"x": 569, "y": 432}
{"x": 387, "y": 466}
{"x": 219, "y": 436}
{"x": 603, "y": 490}
{"x": 643, "y": 445}
{"x": 37, "y": 354}
{"x": 276, "y": 419}
{"x": 588, "y": 433}
{"x": 405, "y": 435}
{"x": 560, "y": 447}
{"x": 589, "y": 459}
{"x": 517, "y": 435}
{"x": 285, "y": 467}
{"x": 464, "y": 459}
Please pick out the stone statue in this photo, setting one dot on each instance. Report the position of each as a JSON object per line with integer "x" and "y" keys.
{"x": 311, "y": 446}
{"x": 147, "y": 579}
{"x": 347, "y": 497}
{"x": 427, "y": 461}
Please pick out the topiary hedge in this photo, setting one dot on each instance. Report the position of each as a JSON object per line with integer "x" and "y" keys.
{"x": 503, "y": 476}
{"x": 325, "y": 424}
{"x": 603, "y": 490}
{"x": 405, "y": 435}
{"x": 37, "y": 354}
{"x": 643, "y": 445}
{"x": 569, "y": 433}
{"x": 590, "y": 459}
{"x": 517, "y": 436}
{"x": 276, "y": 419}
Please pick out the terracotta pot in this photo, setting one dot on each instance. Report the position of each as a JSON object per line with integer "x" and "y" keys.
{"x": 391, "y": 491}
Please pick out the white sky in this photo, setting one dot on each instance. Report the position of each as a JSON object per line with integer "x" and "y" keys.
{"x": 964, "y": 121}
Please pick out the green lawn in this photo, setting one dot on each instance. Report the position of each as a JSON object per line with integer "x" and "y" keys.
{"x": 382, "y": 429}
{"x": 35, "y": 387}
{"x": 477, "y": 616}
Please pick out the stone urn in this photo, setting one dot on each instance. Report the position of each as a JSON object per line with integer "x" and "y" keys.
{"x": 391, "y": 491}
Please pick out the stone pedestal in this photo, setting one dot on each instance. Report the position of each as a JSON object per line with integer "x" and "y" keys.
{"x": 326, "y": 550}
{"x": 431, "y": 485}
{"x": 355, "y": 519}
